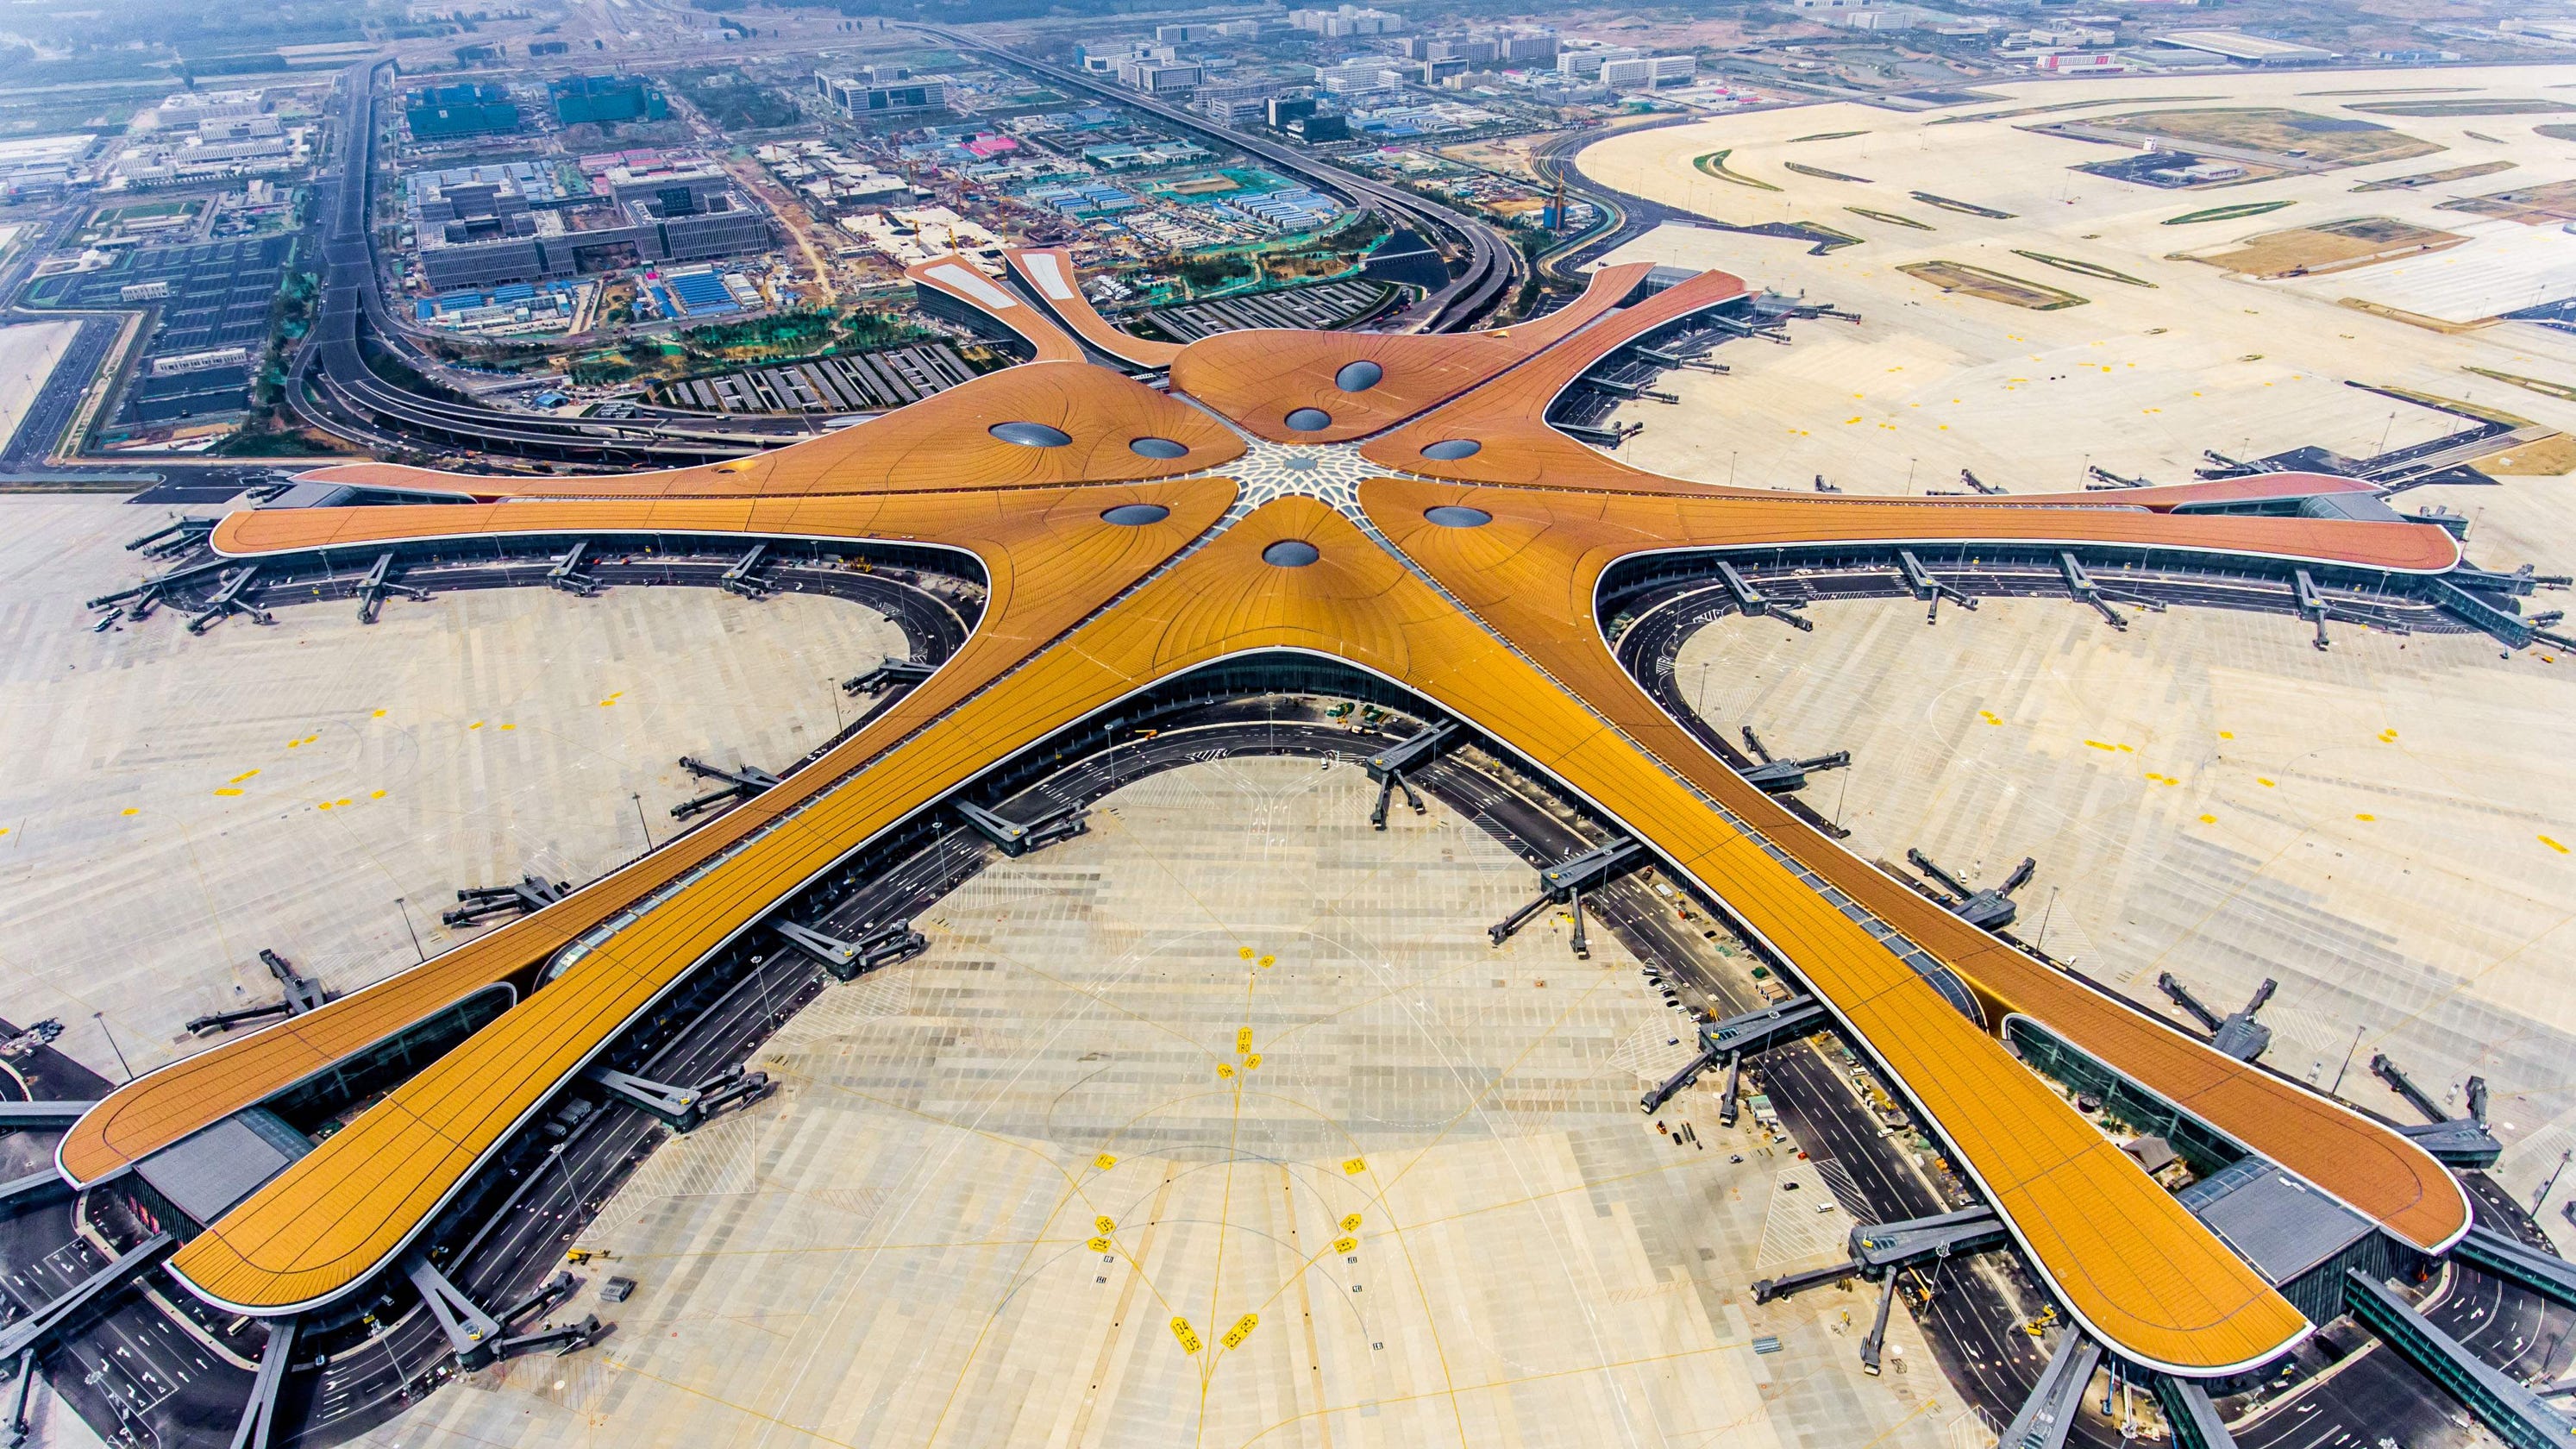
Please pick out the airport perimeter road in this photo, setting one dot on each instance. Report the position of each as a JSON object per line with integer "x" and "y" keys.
{"x": 1494, "y": 264}
{"x": 1631, "y": 217}
{"x": 330, "y": 386}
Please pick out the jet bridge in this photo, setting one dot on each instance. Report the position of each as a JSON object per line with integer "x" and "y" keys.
{"x": 1388, "y": 766}
{"x": 891, "y": 674}
{"x": 301, "y": 994}
{"x": 1921, "y": 582}
{"x": 566, "y": 574}
{"x": 1735, "y": 1038}
{"x": 1015, "y": 838}
{"x": 1753, "y": 601}
{"x": 1990, "y": 909}
{"x": 743, "y": 575}
{"x": 847, "y": 959}
{"x": 1781, "y": 777}
{"x": 1564, "y": 884}
{"x": 231, "y": 597}
{"x": 2453, "y": 1141}
{"x": 482, "y": 903}
{"x": 2236, "y": 1034}
{"x": 378, "y": 583}
{"x": 739, "y": 783}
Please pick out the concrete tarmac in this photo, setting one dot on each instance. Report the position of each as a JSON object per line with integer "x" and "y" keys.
{"x": 173, "y": 803}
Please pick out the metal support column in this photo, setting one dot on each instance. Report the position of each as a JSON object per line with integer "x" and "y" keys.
{"x": 2050, "y": 1410}
{"x": 2516, "y": 1414}
{"x": 31, "y": 1330}
{"x": 259, "y": 1417}
{"x": 1871, "y": 1346}
{"x": 2195, "y": 1420}
{"x": 471, "y": 1332}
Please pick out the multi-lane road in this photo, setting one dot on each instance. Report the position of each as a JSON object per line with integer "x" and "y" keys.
{"x": 1493, "y": 264}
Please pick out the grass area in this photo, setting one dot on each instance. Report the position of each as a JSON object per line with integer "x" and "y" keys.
{"x": 1827, "y": 136}
{"x": 1992, "y": 286}
{"x": 1891, "y": 218}
{"x": 2436, "y": 178}
{"x": 2457, "y": 405}
{"x": 142, "y": 211}
{"x": 2559, "y": 390}
{"x": 1714, "y": 164}
{"x": 2335, "y": 140}
{"x": 2082, "y": 269}
{"x": 2551, "y": 457}
{"x": 812, "y": 333}
{"x": 2050, "y": 110}
{"x": 2499, "y": 106}
{"x": 1822, "y": 174}
{"x": 734, "y": 103}
{"x": 1964, "y": 208}
{"x": 2331, "y": 247}
{"x": 2226, "y": 213}
{"x": 2542, "y": 205}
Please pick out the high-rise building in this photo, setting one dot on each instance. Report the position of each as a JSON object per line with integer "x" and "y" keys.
{"x": 864, "y": 96}
{"x": 1586, "y": 64}
{"x": 1359, "y": 78}
{"x": 1346, "y": 21}
{"x": 1644, "y": 72}
{"x": 1158, "y": 77}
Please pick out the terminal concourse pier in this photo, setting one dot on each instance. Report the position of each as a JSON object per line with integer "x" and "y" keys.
{"x": 1378, "y": 516}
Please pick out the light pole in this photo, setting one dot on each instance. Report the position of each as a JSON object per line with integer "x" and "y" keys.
{"x": 408, "y": 929}
{"x": 2337, "y": 1089}
{"x": 101, "y": 1018}
{"x": 638, "y": 798}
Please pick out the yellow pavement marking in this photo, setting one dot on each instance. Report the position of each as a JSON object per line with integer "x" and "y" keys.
{"x": 1188, "y": 1336}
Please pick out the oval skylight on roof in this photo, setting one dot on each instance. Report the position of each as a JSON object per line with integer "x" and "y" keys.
{"x": 1458, "y": 515}
{"x": 1359, "y": 376}
{"x": 1290, "y": 553}
{"x": 1136, "y": 515}
{"x": 1031, "y": 435}
{"x": 1158, "y": 448}
{"x": 1450, "y": 450}
{"x": 1310, "y": 420}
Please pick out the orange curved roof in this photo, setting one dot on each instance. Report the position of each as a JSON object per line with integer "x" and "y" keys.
{"x": 1531, "y": 574}
{"x": 954, "y": 276}
{"x": 1049, "y": 558}
{"x": 1079, "y": 616}
{"x": 1258, "y": 378}
{"x": 941, "y": 442}
{"x": 1049, "y": 273}
{"x": 2078, "y": 1203}
{"x": 1509, "y": 418}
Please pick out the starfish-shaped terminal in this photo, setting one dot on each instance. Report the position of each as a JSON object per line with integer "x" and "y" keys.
{"x": 1395, "y": 508}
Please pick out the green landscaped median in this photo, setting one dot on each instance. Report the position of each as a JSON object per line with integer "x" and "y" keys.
{"x": 1714, "y": 164}
{"x": 2227, "y": 213}
{"x": 2084, "y": 269}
